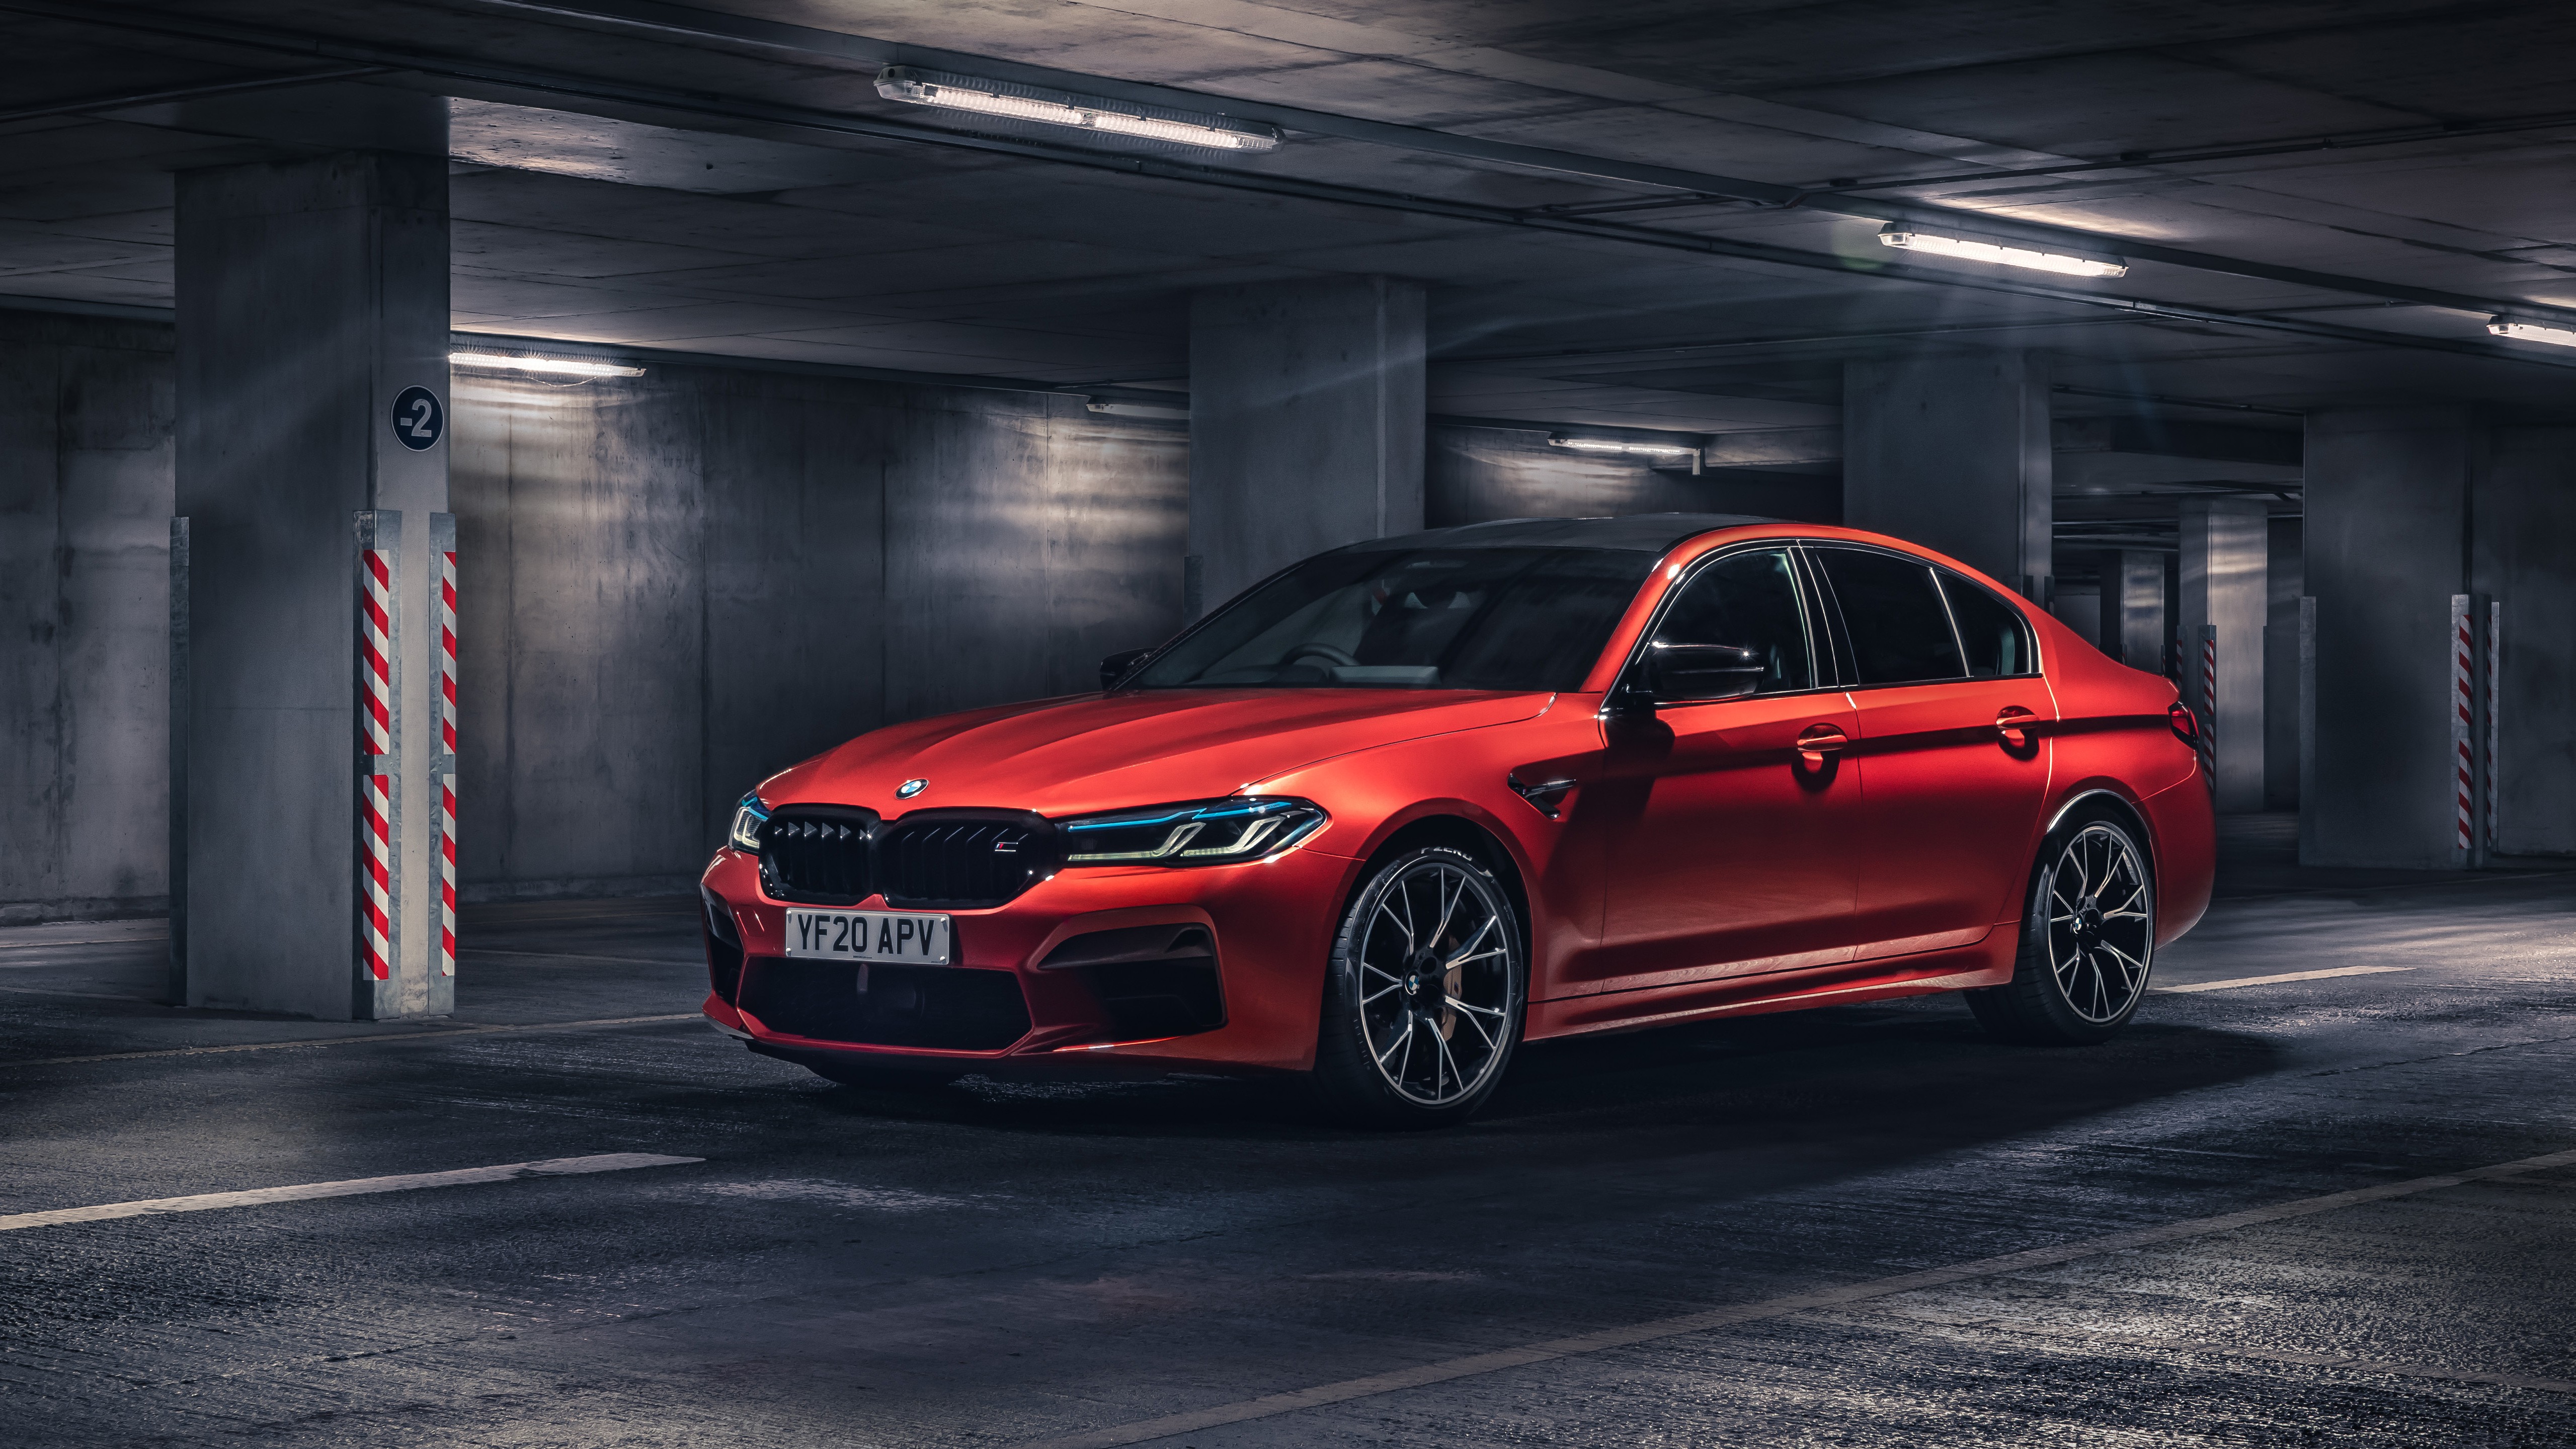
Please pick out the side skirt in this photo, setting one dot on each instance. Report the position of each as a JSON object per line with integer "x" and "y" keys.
{"x": 1987, "y": 963}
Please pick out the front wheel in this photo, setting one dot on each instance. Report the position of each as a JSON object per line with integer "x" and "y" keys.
{"x": 1424, "y": 1002}
{"x": 2088, "y": 940}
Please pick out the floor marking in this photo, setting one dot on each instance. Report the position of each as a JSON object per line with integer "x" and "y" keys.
{"x": 2284, "y": 976}
{"x": 2216, "y": 1350}
{"x": 372, "y": 1037}
{"x": 85, "y": 995}
{"x": 1145, "y": 1430}
{"x": 206, "y": 1201}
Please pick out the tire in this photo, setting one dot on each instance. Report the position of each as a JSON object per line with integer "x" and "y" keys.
{"x": 1402, "y": 977}
{"x": 2088, "y": 939}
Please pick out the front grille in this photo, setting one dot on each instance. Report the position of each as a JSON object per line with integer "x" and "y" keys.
{"x": 818, "y": 854}
{"x": 945, "y": 1008}
{"x": 965, "y": 860}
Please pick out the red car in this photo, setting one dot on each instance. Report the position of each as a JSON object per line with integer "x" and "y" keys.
{"x": 1409, "y": 803}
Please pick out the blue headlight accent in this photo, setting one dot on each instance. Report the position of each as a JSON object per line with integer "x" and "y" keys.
{"x": 749, "y": 814}
{"x": 1196, "y": 832}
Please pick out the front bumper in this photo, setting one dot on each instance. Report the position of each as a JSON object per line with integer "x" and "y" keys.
{"x": 1270, "y": 923}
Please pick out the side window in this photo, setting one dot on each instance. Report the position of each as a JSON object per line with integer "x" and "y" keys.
{"x": 1996, "y": 638}
{"x": 1749, "y": 600}
{"x": 1892, "y": 610}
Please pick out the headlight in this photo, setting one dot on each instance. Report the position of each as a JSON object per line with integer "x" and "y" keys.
{"x": 1194, "y": 832}
{"x": 748, "y": 817}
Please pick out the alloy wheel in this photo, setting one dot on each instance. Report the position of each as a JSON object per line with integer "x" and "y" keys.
{"x": 2101, "y": 924}
{"x": 1435, "y": 998}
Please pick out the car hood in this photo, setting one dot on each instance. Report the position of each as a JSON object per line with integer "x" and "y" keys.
{"x": 1141, "y": 747}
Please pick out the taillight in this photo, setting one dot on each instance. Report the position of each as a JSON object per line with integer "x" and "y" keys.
{"x": 2186, "y": 725}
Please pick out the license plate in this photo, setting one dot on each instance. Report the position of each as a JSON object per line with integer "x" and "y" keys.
{"x": 907, "y": 936}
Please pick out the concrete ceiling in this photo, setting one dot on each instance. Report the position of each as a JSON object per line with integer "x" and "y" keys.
{"x": 1653, "y": 213}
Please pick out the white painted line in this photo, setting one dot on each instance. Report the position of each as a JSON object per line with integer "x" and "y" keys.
{"x": 369, "y": 1038}
{"x": 2284, "y": 976}
{"x": 206, "y": 1201}
{"x": 1145, "y": 1430}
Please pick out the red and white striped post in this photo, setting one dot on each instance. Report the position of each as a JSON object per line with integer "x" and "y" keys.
{"x": 442, "y": 542}
{"x": 2494, "y": 670}
{"x": 2463, "y": 730}
{"x": 2209, "y": 703}
{"x": 379, "y": 547}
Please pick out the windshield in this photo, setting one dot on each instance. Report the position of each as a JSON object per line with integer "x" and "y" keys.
{"x": 1466, "y": 618}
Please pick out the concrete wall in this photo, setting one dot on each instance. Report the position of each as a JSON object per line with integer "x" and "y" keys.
{"x": 2387, "y": 512}
{"x": 2525, "y": 517}
{"x": 1477, "y": 474}
{"x": 674, "y": 585}
{"x": 670, "y": 586}
{"x": 86, "y": 409}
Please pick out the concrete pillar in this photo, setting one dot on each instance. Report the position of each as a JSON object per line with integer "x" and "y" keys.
{"x": 1951, "y": 450}
{"x": 2525, "y": 514}
{"x": 2226, "y": 551}
{"x": 2284, "y": 581}
{"x": 1306, "y": 424}
{"x": 311, "y": 296}
{"x": 2134, "y": 595}
{"x": 2387, "y": 511}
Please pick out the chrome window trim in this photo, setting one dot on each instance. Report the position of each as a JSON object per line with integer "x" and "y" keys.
{"x": 1663, "y": 607}
{"x": 1825, "y": 584}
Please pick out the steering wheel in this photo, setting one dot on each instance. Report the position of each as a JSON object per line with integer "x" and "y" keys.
{"x": 1321, "y": 650}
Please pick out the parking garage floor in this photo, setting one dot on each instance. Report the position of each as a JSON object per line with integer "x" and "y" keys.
{"x": 2338, "y": 1207}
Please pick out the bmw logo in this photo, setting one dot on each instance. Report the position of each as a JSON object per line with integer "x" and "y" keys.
{"x": 910, "y": 788}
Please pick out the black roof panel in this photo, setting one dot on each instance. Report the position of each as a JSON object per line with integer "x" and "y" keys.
{"x": 1638, "y": 532}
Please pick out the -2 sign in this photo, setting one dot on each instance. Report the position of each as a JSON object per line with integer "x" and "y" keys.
{"x": 418, "y": 419}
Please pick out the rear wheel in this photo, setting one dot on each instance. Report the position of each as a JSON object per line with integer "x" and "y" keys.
{"x": 1424, "y": 1003}
{"x": 2088, "y": 939}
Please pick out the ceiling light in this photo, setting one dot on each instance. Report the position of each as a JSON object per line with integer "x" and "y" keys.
{"x": 1166, "y": 411}
{"x": 549, "y": 366}
{"x": 1673, "y": 455}
{"x": 2522, "y": 331}
{"x": 2003, "y": 253}
{"x": 1089, "y": 113}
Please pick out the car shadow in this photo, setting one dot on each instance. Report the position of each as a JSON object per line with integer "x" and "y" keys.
{"x": 1869, "y": 1083}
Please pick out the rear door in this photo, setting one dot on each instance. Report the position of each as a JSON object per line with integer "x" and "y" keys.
{"x": 1952, "y": 759}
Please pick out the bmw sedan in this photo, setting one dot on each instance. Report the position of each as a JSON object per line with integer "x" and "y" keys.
{"x": 1408, "y": 804}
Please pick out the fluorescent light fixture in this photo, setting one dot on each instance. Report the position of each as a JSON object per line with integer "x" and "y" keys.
{"x": 1670, "y": 455}
{"x": 1015, "y": 102}
{"x": 1165, "y": 411}
{"x": 2003, "y": 253}
{"x": 546, "y": 366}
{"x": 2522, "y": 331}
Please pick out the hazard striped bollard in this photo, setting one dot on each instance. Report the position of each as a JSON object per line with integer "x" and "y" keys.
{"x": 443, "y": 542}
{"x": 2464, "y": 767}
{"x": 379, "y": 540}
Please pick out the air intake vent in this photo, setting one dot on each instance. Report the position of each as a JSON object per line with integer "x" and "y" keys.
{"x": 947, "y": 1008}
{"x": 818, "y": 854}
{"x": 964, "y": 860}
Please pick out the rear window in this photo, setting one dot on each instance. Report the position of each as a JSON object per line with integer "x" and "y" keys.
{"x": 1893, "y": 611}
{"x": 1994, "y": 634}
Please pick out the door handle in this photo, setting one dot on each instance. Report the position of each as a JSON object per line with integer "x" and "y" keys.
{"x": 1819, "y": 740}
{"x": 2012, "y": 726}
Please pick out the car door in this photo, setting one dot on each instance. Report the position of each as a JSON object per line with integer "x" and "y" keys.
{"x": 1953, "y": 758}
{"x": 1726, "y": 824}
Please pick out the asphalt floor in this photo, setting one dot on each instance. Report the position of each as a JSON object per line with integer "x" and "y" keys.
{"x": 2332, "y": 1210}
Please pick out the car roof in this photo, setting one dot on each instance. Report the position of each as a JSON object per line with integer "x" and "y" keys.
{"x": 1638, "y": 532}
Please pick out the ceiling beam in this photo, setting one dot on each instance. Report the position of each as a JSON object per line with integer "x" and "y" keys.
{"x": 622, "y": 96}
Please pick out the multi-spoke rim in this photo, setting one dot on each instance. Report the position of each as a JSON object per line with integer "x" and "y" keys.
{"x": 1436, "y": 972}
{"x": 2101, "y": 923}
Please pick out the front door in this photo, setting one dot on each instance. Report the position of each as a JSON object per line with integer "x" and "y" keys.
{"x": 1953, "y": 756}
{"x": 1727, "y": 825}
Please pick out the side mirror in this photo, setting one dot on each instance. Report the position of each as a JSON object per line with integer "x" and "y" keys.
{"x": 1692, "y": 673}
{"x": 1119, "y": 665}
